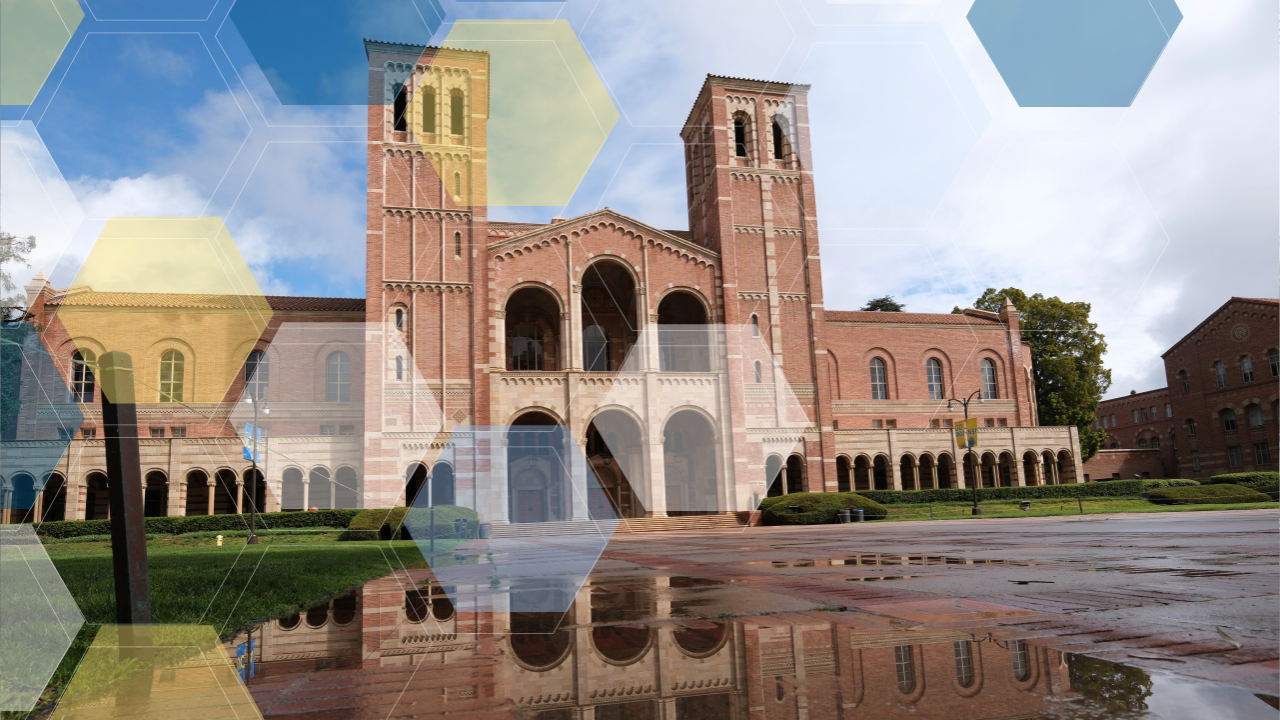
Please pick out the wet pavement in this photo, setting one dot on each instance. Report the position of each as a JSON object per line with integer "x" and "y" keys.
{"x": 1126, "y": 616}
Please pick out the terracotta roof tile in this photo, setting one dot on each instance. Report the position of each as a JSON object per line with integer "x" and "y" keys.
{"x": 206, "y": 301}
{"x": 316, "y": 304}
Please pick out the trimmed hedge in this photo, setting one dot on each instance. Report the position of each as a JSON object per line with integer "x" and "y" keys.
{"x": 388, "y": 523}
{"x": 1218, "y": 494}
{"x": 1107, "y": 488}
{"x": 816, "y": 508}
{"x": 203, "y": 523}
{"x": 1246, "y": 479}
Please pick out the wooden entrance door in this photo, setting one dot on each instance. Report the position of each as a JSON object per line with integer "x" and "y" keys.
{"x": 530, "y": 506}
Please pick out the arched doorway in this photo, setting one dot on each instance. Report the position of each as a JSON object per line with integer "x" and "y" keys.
{"x": 861, "y": 473}
{"x": 928, "y": 472}
{"x": 609, "y": 327}
{"x": 1030, "y": 468}
{"x": 988, "y": 470}
{"x": 292, "y": 490}
{"x": 615, "y": 453}
{"x": 225, "y": 492}
{"x": 255, "y": 491}
{"x": 443, "y": 485}
{"x": 96, "y": 503}
{"x": 320, "y": 487}
{"x": 842, "y": 474}
{"x": 689, "y": 465}
{"x": 535, "y": 450}
{"x": 155, "y": 499}
{"x": 907, "y": 468}
{"x": 946, "y": 471}
{"x": 1006, "y": 469}
{"x": 346, "y": 488}
{"x": 54, "y": 500}
{"x": 880, "y": 471}
{"x": 198, "y": 492}
{"x": 21, "y": 498}
{"x": 1050, "y": 467}
{"x": 683, "y": 337}
{"x": 773, "y": 476}
{"x": 532, "y": 326}
{"x": 795, "y": 474}
{"x": 414, "y": 482}
{"x": 1066, "y": 468}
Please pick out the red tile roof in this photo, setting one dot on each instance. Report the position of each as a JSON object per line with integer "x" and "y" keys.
{"x": 316, "y": 304}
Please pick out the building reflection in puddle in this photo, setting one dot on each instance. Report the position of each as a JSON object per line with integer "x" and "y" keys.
{"x": 626, "y": 650}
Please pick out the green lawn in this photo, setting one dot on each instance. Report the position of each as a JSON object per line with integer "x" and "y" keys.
{"x": 232, "y": 587}
{"x": 1049, "y": 507}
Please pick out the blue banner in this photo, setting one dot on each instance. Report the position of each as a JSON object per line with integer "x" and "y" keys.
{"x": 252, "y": 440}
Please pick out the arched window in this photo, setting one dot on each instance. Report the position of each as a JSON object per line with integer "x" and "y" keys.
{"x": 526, "y": 351}
{"x": 1255, "y": 415}
{"x": 1142, "y": 444}
{"x": 933, "y": 373}
{"x": 1155, "y": 443}
{"x": 398, "y": 109}
{"x": 1246, "y": 368}
{"x": 759, "y": 377}
{"x": 82, "y": 380}
{"x": 595, "y": 343}
{"x": 1191, "y": 428}
{"x": 1229, "y": 420}
{"x": 399, "y": 319}
{"x": 964, "y": 663}
{"x": 456, "y": 113}
{"x": 257, "y": 373}
{"x": 989, "y": 389}
{"x": 1186, "y": 386}
{"x": 777, "y": 141}
{"x": 428, "y": 110}
{"x": 457, "y": 185}
{"x": 879, "y": 385}
{"x": 172, "y": 369}
{"x": 399, "y": 367}
{"x": 457, "y": 244}
{"x": 1021, "y": 664}
{"x": 755, "y": 326}
{"x": 338, "y": 378}
{"x": 1273, "y": 358}
{"x": 906, "y": 667}
{"x": 739, "y": 136}
{"x": 1220, "y": 373}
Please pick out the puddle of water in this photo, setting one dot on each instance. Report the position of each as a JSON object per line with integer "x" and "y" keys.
{"x": 882, "y": 559}
{"x": 873, "y": 578}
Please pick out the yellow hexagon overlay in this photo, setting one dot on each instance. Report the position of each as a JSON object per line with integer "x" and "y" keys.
{"x": 177, "y": 296}
{"x": 547, "y": 112}
{"x": 33, "y": 34}
{"x": 160, "y": 672}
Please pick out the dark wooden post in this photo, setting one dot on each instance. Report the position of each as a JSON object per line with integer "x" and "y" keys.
{"x": 124, "y": 484}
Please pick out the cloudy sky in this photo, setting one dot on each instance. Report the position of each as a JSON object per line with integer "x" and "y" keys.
{"x": 932, "y": 183}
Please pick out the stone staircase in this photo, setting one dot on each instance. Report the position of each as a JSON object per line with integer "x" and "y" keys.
{"x": 688, "y": 523}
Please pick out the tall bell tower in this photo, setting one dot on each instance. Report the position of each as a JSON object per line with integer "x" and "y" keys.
{"x": 751, "y": 198}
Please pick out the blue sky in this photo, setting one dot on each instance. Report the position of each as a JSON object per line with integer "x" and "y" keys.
{"x": 933, "y": 183}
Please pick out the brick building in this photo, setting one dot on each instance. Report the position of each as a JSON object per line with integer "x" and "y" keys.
{"x": 694, "y": 371}
{"x": 1137, "y": 442}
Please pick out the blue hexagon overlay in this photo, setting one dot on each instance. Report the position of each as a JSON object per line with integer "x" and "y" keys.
{"x": 310, "y": 50}
{"x": 549, "y": 514}
{"x": 1074, "y": 53}
{"x": 37, "y": 418}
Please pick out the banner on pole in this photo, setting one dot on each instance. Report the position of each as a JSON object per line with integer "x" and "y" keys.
{"x": 967, "y": 433}
{"x": 252, "y": 439}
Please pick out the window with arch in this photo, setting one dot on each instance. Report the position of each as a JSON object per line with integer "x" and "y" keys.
{"x": 1142, "y": 444}
{"x": 964, "y": 663}
{"x": 933, "y": 374}
{"x": 337, "y": 378}
{"x": 595, "y": 343}
{"x": 755, "y": 326}
{"x": 457, "y": 185}
{"x": 1246, "y": 368}
{"x": 82, "y": 380}
{"x": 1273, "y": 359}
{"x": 1021, "y": 663}
{"x": 399, "y": 368}
{"x": 400, "y": 124}
{"x": 456, "y": 111}
{"x": 1220, "y": 373}
{"x": 1182, "y": 378}
{"x": 172, "y": 370}
{"x": 1191, "y": 428}
{"x": 428, "y": 110}
{"x": 905, "y": 666}
{"x": 399, "y": 319}
{"x": 739, "y": 136}
{"x": 759, "y": 374}
{"x": 526, "y": 351}
{"x": 257, "y": 373}
{"x": 989, "y": 389}
{"x": 457, "y": 244}
{"x": 1229, "y": 420}
{"x": 1155, "y": 443}
{"x": 879, "y": 381}
{"x": 1255, "y": 415}
{"x": 779, "y": 152}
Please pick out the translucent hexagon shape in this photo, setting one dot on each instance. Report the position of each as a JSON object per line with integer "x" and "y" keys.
{"x": 33, "y": 34}
{"x": 548, "y": 111}
{"x": 37, "y": 420}
{"x": 550, "y": 514}
{"x": 1074, "y": 53}
{"x": 38, "y": 618}
{"x": 35, "y": 198}
{"x": 328, "y": 34}
{"x": 177, "y": 296}
{"x": 174, "y": 672}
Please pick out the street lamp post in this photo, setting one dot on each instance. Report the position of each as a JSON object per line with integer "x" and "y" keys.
{"x": 977, "y": 476}
{"x": 253, "y": 456}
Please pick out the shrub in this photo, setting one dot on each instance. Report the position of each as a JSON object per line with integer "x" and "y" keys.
{"x": 203, "y": 523}
{"x": 1246, "y": 479}
{"x": 816, "y": 508}
{"x": 1272, "y": 490}
{"x": 1207, "y": 495}
{"x": 398, "y": 523}
{"x": 1109, "y": 488}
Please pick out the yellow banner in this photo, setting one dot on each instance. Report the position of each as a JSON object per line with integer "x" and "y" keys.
{"x": 967, "y": 433}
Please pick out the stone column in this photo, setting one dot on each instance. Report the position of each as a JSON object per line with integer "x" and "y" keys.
{"x": 333, "y": 487}
{"x": 212, "y": 484}
{"x": 306, "y": 493}
{"x": 239, "y": 495}
{"x": 656, "y": 502}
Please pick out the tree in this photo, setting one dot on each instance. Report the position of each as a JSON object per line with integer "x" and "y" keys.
{"x": 1066, "y": 359}
{"x": 13, "y": 249}
{"x": 884, "y": 304}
